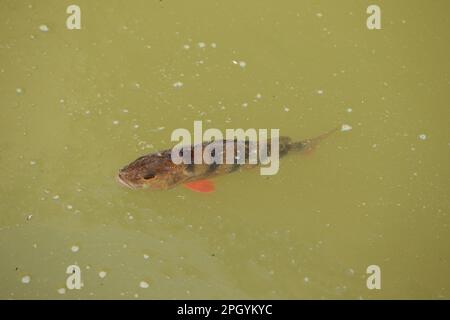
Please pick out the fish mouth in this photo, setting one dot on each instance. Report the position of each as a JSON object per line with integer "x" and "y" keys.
{"x": 124, "y": 182}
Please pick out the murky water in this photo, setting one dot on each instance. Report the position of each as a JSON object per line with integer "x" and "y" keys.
{"x": 79, "y": 104}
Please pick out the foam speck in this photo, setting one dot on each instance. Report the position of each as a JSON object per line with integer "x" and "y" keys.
{"x": 346, "y": 127}
{"x": 43, "y": 28}
{"x": 26, "y": 279}
{"x": 422, "y": 136}
{"x": 178, "y": 84}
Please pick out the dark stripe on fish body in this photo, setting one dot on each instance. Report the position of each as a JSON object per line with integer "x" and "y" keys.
{"x": 191, "y": 166}
{"x": 213, "y": 166}
{"x": 236, "y": 165}
{"x": 234, "y": 168}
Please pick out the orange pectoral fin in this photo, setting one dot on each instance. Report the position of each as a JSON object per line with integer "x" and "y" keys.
{"x": 200, "y": 186}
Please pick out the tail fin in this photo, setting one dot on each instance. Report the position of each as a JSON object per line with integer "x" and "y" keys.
{"x": 308, "y": 145}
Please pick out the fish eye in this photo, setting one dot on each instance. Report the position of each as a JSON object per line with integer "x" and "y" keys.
{"x": 149, "y": 176}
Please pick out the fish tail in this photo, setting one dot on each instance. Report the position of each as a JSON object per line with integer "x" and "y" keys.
{"x": 308, "y": 145}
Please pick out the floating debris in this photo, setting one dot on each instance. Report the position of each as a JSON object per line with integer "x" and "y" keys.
{"x": 241, "y": 64}
{"x": 320, "y": 91}
{"x": 186, "y": 47}
{"x": 143, "y": 285}
{"x": 201, "y": 45}
{"x": 346, "y": 127}
{"x": 146, "y": 256}
{"x": 55, "y": 197}
{"x": 102, "y": 274}
{"x": 213, "y": 45}
{"x": 75, "y": 248}
{"x": 422, "y": 136}
{"x": 115, "y": 122}
{"x": 32, "y": 162}
{"x": 349, "y": 110}
{"x": 43, "y": 28}
{"x": 26, "y": 279}
{"x": 61, "y": 290}
{"x": 19, "y": 90}
{"x": 178, "y": 84}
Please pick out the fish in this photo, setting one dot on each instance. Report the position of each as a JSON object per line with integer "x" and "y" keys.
{"x": 158, "y": 171}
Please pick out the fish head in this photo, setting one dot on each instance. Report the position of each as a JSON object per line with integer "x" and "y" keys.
{"x": 156, "y": 171}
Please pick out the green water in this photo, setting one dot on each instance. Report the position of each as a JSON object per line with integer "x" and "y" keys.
{"x": 77, "y": 105}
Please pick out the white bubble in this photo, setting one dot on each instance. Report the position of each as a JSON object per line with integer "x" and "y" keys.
{"x": 286, "y": 109}
{"x": 186, "y": 46}
{"x": 320, "y": 91}
{"x": 26, "y": 279}
{"x": 19, "y": 90}
{"x": 201, "y": 44}
{"x": 43, "y": 28}
{"x": 69, "y": 207}
{"x": 422, "y": 136}
{"x": 178, "y": 84}
{"x": 146, "y": 256}
{"x": 242, "y": 64}
{"x": 143, "y": 285}
{"x": 55, "y": 197}
{"x": 32, "y": 162}
{"x": 116, "y": 122}
{"x": 349, "y": 110}
{"x": 346, "y": 127}
{"x": 102, "y": 274}
{"x": 75, "y": 248}
{"x": 213, "y": 45}
{"x": 61, "y": 290}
